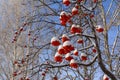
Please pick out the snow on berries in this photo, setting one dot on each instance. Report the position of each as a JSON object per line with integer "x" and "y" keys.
{"x": 94, "y": 50}
{"x": 61, "y": 50}
{"x": 99, "y": 28}
{"x": 75, "y": 52}
{"x": 58, "y": 57}
{"x": 76, "y": 6}
{"x": 68, "y": 46}
{"x": 73, "y": 64}
{"x": 65, "y": 38}
{"x": 80, "y": 41}
{"x": 75, "y": 11}
{"x": 75, "y": 29}
{"x": 66, "y": 2}
{"x": 55, "y": 41}
{"x": 68, "y": 57}
{"x": 105, "y": 77}
{"x": 83, "y": 57}
{"x": 64, "y": 17}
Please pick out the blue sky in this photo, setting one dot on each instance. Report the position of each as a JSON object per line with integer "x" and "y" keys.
{"x": 113, "y": 30}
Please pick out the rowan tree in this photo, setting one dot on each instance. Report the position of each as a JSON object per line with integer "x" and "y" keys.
{"x": 60, "y": 40}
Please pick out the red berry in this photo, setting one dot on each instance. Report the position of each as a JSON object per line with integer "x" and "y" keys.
{"x": 74, "y": 11}
{"x": 99, "y": 28}
{"x": 18, "y": 65}
{"x": 91, "y": 15}
{"x": 25, "y": 23}
{"x": 55, "y": 78}
{"x": 66, "y": 2}
{"x": 68, "y": 47}
{"x": 95, "y": 1}
{"x": 27, "y": 79}
{"x": 65, "y": 38}
{"x": 63, "y": 23}
{"x": 23, "y": 61}
{"x": 68, "y": 57}
{"x": 73, "y": 64}
{"x": 105, "y": 77}
{"x": 55, "y": 41}
{"x": 16, "y": 32}
{"x": 75, "y": 52}
{"x": 64, "y": 17}
{"x": 21, "y": 29}
{"x": 14, "y": 39}
{"x": 79, "y": 29}
{"x": 94, "y": 50}
{"x": 80, "y": 41}
{"x": 14, "y": 74}
{"x": 75, "y": 29}
{"x": 27, "y": 55}
{"x": 76, "y": 6}
{"x": 21, "y": 78}
{"x": 61, "y": 50}
{"x": 58, "y": 57}
{"x": 25, "y": 46}
{"x": 79, "y": 0}
{"x": 29, "y": 34}
{"x": 15, "y": 62}
{"x": 43, "y": 74}
{"x": 83, "y": 57}
{"x": 35, "y": 38}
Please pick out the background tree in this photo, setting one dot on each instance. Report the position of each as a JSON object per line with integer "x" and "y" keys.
{"x": 27, "y": 27}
